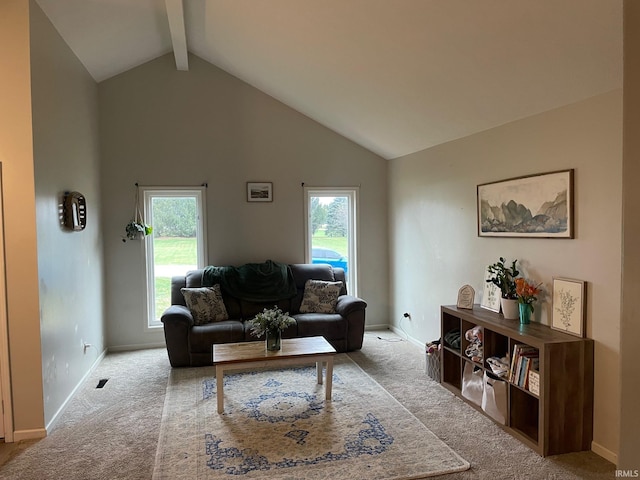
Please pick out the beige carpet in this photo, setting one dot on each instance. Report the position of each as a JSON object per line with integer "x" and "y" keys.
{"x": 104, "y": 433}
{"x": 276, "y": 424}
{"x": 112, "y": 433}
{"x": 399, "y": 366}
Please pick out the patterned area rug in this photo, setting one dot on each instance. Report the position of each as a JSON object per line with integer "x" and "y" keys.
{"x": 276, "y": 424}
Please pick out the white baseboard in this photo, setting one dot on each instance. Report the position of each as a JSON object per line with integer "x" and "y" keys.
{"x": 73, "y": 392}
{"x": 397, "y": 331}
{"x": 376, "y": 327}
{"x": 33, "y": 434}
{"x": 141, "y": 346}
{"x": 604, "y": 453}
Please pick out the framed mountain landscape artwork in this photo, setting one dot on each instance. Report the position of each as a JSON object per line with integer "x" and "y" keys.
{"x": 532, "y": 206}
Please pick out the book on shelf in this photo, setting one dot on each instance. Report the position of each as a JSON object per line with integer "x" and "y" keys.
{"x": 534, "y": 382}
{"x": 523, "y": 371}
{"x": 524, "y": 358}
{"x": 514, "y": 360}
{"x": 528, "y": 363}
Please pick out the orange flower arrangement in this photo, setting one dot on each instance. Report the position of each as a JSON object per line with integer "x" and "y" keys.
{"x": 526, "y": 291}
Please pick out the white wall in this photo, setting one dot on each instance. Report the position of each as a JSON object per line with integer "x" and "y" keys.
{"x": 435, "y": 247}
{"x": 162, "y": 127}
{"x": 66, "y": 155}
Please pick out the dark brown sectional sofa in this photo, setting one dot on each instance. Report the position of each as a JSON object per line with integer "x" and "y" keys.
{"x": 191, "y": 345}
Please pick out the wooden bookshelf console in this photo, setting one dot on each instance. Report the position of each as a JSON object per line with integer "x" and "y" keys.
{"x": 559, "y": 419}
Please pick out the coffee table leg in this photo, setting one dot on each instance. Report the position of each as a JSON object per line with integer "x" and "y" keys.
{"x": 329, "y": 380}
{"x": 219, "y": 388}
{"x": 319, "y": 372}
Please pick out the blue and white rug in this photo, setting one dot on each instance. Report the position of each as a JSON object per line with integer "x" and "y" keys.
{"x": 277, "y": 425}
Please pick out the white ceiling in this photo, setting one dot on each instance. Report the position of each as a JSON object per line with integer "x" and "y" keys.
{"x": 395, "y": 76}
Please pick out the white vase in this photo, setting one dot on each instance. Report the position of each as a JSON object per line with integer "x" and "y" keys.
{"x": 510, "y": 308}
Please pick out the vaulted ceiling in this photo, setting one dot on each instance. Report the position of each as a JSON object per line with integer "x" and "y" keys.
{"x": 395, "y": 76}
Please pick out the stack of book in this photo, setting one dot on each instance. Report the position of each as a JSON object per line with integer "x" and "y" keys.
{"x": 524, "y": 359}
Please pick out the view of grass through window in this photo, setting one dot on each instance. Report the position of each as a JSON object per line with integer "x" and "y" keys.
{"x": 338, "y": 244}
{"x": 170, "y": 252}
{"x": 175, "y": 245}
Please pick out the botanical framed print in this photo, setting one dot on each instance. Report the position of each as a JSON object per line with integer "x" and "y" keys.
{"x": 259, "y": 192}
{"x": 568, "y": 305}
{"x": 533, "y": 206}
{"x": 490, "y": 294}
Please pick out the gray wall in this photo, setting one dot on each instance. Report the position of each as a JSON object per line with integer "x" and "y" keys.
{"x": 66, "y": 158}
{"x": 162, "y": 127}
{"x": 435, "y": 248}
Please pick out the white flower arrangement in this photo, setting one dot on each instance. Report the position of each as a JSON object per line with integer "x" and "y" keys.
{"x": 270, "y": 319}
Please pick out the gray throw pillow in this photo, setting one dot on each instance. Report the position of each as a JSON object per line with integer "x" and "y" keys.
{"x": 320, "y": 296}
{"x": 206, "y": 304}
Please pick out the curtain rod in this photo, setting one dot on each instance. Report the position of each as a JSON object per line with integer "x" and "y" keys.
{"x": 204, "y": 184}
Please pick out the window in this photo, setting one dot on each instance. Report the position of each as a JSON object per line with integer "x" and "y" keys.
{"x": 331, "y": 230}
{"x": 176, "y": 245}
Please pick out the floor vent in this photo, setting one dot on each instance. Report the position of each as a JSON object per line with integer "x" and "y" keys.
{"x": 102, "y": 382}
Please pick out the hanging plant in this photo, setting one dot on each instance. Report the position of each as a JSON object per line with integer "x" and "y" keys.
{"x": 137, "y": 228}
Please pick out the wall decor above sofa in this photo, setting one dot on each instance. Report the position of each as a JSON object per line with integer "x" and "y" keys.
{"x": 538, "y": 205}
{"x": 259, "y": 192}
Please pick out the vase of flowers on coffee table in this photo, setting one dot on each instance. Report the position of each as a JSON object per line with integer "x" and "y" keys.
{"x": 270, "y": 323}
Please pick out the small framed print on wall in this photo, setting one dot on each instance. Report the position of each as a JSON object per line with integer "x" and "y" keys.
{"x": 568, "y": 306}
{"x": 259, "y": 192}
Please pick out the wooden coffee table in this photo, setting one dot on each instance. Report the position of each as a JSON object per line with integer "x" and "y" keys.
{"x": 294, "y": 351}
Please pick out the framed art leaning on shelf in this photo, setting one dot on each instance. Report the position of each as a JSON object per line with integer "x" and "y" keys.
{"x": 490, "y": 294}
{"x": 568, "y": 303}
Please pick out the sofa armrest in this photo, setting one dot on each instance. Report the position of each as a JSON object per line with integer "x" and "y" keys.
{"x": 353, "y": 310}
{"x": 348, "y": 304}
{"x": 177, "y": 320}
{"x": 176, "y": 315}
